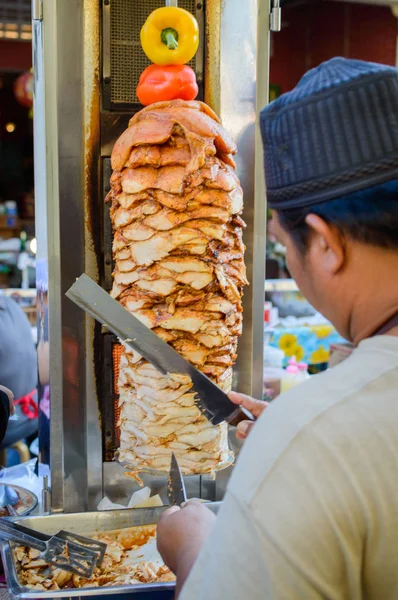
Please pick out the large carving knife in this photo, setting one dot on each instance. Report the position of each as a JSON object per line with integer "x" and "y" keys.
{"x": 211, "y": 400}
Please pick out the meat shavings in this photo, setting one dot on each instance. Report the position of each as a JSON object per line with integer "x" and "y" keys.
{"x": 121, "y": 565}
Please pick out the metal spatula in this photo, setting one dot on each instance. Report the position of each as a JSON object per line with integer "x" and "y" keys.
{"x": 67, "y": 551}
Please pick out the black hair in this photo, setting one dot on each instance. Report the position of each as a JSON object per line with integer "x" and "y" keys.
{"x": 369, "y": 216}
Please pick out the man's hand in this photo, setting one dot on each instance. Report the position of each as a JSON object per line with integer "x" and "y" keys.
{"x": 181, "y": 533}
{"x": 10, "y": 396}
{"x": 255, "y": 407}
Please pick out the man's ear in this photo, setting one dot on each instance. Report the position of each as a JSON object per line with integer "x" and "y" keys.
{"x": 327, "y": 244}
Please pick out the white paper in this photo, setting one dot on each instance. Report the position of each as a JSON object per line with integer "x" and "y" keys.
{"x": 106, "y": 504}
{"x": 140, "y": 499}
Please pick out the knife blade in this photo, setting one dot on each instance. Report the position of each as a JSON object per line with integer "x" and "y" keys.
{"x": 211, "y": 400}
{"x": 175, "y": 484}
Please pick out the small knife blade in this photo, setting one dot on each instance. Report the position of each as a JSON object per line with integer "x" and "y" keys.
{"x": 175, "y": 485}
{"x": 211, "y": 400}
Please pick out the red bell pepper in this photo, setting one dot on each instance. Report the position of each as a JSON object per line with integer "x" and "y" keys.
{"x": 172, "y": 82}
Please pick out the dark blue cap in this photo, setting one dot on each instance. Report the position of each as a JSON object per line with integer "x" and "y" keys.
{"x": 334, "y": 134}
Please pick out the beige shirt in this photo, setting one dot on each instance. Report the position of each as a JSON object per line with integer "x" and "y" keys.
{"x": 311, "y": 510}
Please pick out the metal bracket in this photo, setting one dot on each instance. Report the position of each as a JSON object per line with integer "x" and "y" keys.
{"x": 37, "y": 10}
{"x": 275, "y": 23}
{"x": 107, "y": 229}
{"x": 106, "y": 55}
{"x": 46, "y": 497}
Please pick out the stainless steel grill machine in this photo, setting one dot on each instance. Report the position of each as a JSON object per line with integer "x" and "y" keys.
{"x": 87, "y": 61}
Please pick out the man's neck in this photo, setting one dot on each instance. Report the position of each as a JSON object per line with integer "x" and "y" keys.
{"x": 375, "y": 326}
{"x": 376, "y": 298}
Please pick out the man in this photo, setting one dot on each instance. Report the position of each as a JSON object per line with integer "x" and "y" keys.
{"x": 6, "y": 409}
{"x": 18, "y": 371}
{"x": 311, "y": 509}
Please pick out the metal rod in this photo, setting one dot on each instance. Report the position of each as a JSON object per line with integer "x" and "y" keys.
{"x": 46, "y": 498}
{"x": 276, "y": 16}
{"x": 171, "y": 3}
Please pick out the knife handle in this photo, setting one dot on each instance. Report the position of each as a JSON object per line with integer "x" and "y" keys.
{"x": 243, "y": 415}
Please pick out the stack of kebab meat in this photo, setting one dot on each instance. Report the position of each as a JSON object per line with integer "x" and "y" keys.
{"x": 178, "y": 252}
{"x": 179, "y": 268}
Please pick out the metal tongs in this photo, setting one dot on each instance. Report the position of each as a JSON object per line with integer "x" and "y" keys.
{"x": 67, "y": 551}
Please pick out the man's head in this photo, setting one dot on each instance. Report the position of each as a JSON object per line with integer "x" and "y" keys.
{"x": 331, "y": 162}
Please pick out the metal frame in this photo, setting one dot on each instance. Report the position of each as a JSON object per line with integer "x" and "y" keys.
{"x": 66, "y": 137}
{"x": 107, "y": 227}
{"x": 72, "y": 137}
{"x": 237, "y": 87}
{"x": 106, "y": 58}
{"x": 107, "y": 408}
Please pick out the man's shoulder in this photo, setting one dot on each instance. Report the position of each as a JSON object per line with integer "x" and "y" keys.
{"x": 331, "y": 408}
{"x": 12, "y": 313}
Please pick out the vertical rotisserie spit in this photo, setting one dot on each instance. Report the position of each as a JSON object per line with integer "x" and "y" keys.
{"x": 179, "y": 268}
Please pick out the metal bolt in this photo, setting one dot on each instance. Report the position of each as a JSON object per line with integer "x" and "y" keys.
{"x": 276, "y": 16}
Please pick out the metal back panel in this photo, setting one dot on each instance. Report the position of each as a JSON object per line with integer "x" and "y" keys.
{"x": 123, "y": 57}
{"x": 110, "y": 410}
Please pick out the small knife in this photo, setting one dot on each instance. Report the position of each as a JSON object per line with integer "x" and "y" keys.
{"x": 175, "y": 484}
{"x": 211, "y": 400}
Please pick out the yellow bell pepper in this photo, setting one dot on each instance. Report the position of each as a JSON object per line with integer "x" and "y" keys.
{"x": 170, "y": 36}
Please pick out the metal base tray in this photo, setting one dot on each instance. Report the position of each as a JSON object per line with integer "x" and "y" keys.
{"x": 85, "y": 524}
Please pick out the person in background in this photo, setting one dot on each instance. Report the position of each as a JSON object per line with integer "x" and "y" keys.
{"x": 311, "y": 509}
{"x": 6, "y": 409}
{"x": 18, "y": 371}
